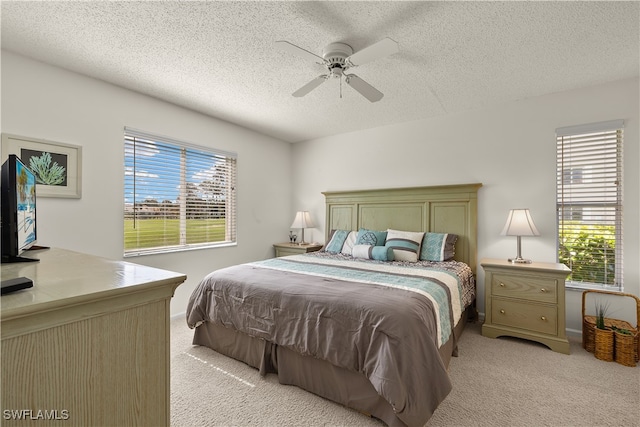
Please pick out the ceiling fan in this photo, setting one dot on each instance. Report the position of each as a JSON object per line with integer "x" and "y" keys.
{"x": 338, "y": 58}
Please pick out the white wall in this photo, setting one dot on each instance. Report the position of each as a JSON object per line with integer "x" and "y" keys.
{"x": 45, "y": 102}
{"x": 509, "y": 148}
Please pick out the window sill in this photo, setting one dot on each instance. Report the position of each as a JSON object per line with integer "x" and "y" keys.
{"x": 576, "y": 286}
{"x": 170, "y": 250}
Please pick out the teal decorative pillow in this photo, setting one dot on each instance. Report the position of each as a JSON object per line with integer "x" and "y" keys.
{"x": 438, "y": 246}
{"x": 336, "y": 241}
{"x": 405, "y": 244}
{"x": 371, "y": 237}
{"x": 379, "y": 253}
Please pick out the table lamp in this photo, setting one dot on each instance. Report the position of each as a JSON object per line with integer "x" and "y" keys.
{"x": 302, "y": 221}
{"x": 519, "y": 223}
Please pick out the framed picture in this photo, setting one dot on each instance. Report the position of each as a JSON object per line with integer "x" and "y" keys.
{"x": 57, "y": 166}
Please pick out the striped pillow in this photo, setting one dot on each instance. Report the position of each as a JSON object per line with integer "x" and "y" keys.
{"x": 405, "y": 244}
{"x": 379, "y": 253}
{"x": 438, "y": 246}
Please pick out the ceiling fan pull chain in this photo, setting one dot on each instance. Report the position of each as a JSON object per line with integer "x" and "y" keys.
{"x": 340, "y": 87}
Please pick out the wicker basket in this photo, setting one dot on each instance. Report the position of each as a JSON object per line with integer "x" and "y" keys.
{"x": 627, "y": 345}
{"x": 603, "y": 346}
{"x": 626, "y": 349}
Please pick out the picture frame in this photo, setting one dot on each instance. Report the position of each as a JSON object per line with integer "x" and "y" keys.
{"x": 57, "y": 165}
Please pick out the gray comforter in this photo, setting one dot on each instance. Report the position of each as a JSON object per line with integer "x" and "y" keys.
{"x": 384, "y": 320}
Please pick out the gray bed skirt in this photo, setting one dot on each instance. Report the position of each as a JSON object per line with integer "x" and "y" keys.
{"x": 349, "y": 388}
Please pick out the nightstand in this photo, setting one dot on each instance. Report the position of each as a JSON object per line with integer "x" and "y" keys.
{"x": 284, "y": 249}
{"x": 526, "y": 301}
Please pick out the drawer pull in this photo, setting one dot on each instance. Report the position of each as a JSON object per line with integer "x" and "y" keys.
{"x": 544, "y": 319}
{"x": 543, "y": 290}
{"x": 501, "y": 311}
{"x": 501, "y": 285}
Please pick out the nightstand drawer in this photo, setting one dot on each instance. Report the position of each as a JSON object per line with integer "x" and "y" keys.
{"x": 523, "y": 315}
{"x": 286, "y": 249}
{"x": 287, "y": 252}
{"x": 531, "y": 288}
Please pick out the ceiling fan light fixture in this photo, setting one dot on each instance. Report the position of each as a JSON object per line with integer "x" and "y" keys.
{"x": 338, "y": 58}
{"x": 336, "y": 71}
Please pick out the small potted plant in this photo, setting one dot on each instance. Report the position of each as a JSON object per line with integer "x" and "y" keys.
{"x": 604, "y": 337}
{"x": 601, "y": 313}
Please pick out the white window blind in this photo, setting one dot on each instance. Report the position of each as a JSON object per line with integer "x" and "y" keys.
{"x": 177, "y": 196}
{"x": 590, "y": 204}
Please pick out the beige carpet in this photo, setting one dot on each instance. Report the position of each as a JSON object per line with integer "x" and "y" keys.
{"x": 496, "y": 382}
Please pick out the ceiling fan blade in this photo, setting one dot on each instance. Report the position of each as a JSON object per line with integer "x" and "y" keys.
{"x": 381, "y": 49}
{"x": 292, "y": 48}
{"x": 310, "y": 86}
{"x": 365, "y": 89}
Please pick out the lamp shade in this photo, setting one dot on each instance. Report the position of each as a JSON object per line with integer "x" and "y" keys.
{"x": 302, "y": 220}
{"x": 520, "y": 223}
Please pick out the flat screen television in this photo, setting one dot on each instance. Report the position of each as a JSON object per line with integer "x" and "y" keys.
{"x": 18, "y": 221}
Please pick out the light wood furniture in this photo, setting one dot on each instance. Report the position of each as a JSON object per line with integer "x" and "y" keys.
{"x": 526, "y": 301}
{"x": 89, "y": 342}
{"x": 284, "y": 249}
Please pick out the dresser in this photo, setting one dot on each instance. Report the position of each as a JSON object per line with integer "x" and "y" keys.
{"x": 526, "y": 301}
{"x": 284, "y": 249}
{"x": 88, "y": 344}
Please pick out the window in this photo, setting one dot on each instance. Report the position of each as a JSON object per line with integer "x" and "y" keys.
{"x": 177, "y": 196}
{"x": 589, "y": 203}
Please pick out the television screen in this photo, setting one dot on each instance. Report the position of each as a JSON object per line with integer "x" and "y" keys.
{"x": 26, "y": 197}
{"x": 18, "y": 208}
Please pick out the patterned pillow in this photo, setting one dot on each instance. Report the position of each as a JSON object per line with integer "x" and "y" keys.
{"x": 438, "y": 246}
{"x": 349, "y": 243}
{"x": 336, "y": 241}
{"x": 370, "y": 237}
{"x": 380, "y": 253}
{"x": 405, "y": 244}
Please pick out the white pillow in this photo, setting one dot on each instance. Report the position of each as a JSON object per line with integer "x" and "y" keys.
{"x": 347, "y": 248}
{"x": 405, "y": 244}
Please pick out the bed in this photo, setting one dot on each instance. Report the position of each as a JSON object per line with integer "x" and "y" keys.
{"x": 375, "y": 335}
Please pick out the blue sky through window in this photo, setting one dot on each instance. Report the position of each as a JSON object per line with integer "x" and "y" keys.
{"x": 157, "y": 170}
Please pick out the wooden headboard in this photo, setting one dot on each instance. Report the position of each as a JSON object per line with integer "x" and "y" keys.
{"x": 439, "y": 209}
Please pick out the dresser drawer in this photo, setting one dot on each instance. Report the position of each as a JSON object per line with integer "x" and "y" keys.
{"x": 532, "y": 317}
{"x": 541, "y": 289}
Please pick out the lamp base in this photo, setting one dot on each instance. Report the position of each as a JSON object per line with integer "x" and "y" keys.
{"x": 519, "y": 260}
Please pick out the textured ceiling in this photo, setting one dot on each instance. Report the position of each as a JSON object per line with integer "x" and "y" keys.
{"x": 220, "y": 58}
